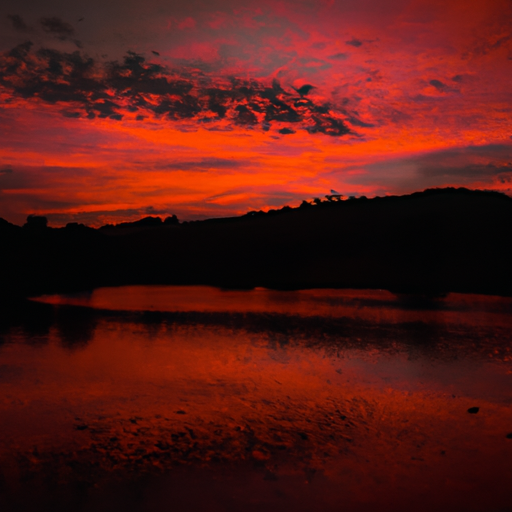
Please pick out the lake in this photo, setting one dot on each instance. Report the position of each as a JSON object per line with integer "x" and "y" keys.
{"x": 149, "y": 398}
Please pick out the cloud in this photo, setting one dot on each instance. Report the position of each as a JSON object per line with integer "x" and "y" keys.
{"x": 473, "y": 162}
{"x": 18, "y": 23}
{"x": 203, "y": 164}
{"x": 57, "y": 26}
{"x": 18, "y": 53}
{"x": 445, "y": 88}
{"x": 60, "y": 29}
{"x": 438, "y": 85}
{"x": 70, "y": 114}
{"x": 484, "y": 150}
{"x": 319, "y": 45}
{"x": 340, "y": 56}
{"x": 353, "y": 120}
{"x": 491, "y": 44}
{"x": 470, "y": 165}
{"x": 356, "y": 43}
{"x": 85, "y": 87}
{"x": 473, "y": 171}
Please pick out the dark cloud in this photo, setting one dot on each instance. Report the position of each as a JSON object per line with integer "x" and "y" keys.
{"x": 438, "y": 85}
{"x": 485, "y": 150}
{"x": 85, "y": 87}
{"x": 19, "y": 52}
{"x": 6, "y": 170}
{"x": 354, "y": 42}
{"x": 357, "y": 122}
{"x": 489, "y": 45}
{"x": 18, "y": 23}
{"x": 328, "y": 126}
{"x": 60, "y": 29}
{"x": 70, "y": 114}
{"x": 305, "y": 89}
{"x": 465, "y": 165}
{"x": 203, "y": 164}
{"x": 318, "y": 46}
{"x": 286, "y": 131}
{"x": 471, "y": 166}
{"x": 475, "y": 171}
{"x": 339, "y": 56}
{"x": 57, "y": 26}
{"x": 472, "y": 162}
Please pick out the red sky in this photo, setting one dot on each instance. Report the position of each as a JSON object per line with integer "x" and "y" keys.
{"x": 119, "y": 110}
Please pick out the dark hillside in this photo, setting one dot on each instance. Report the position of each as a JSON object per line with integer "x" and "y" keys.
{"x": 430, "y": 242}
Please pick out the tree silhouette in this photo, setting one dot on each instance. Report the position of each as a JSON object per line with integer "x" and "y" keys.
{"x": 171, "y": 220}
{"x": 36, "y": 222}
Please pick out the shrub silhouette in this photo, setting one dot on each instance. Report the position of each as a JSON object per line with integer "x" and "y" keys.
{"x": 36, "y": 222}
{"x": 172, "y": 219}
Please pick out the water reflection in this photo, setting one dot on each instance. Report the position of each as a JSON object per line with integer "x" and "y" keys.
{"x": 297, "y": 399}
{"x": 373, "y": 305}
{"x": 75, "y": 327}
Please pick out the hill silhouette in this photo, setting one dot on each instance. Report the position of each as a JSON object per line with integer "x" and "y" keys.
{"x": 430, "y": 243}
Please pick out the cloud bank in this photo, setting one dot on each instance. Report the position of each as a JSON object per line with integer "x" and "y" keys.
{"x": 138, "y": 88}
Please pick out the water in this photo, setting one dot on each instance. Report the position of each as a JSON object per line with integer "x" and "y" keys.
{"x": 194, "y": 398}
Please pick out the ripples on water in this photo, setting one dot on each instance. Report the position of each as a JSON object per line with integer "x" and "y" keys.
{"x": 194, "y": 398}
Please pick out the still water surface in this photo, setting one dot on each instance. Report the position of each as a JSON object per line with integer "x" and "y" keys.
{"x": 195, "y": 398}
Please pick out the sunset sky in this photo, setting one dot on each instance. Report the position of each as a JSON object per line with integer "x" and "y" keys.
{"x": 111, "y": 111}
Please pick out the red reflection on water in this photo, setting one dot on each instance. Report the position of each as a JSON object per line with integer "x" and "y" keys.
{"x": 370, "y": 305}
{"x": 366, "y": 429}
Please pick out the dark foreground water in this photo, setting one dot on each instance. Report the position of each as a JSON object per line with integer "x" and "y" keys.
{"x": 197, "y": 399}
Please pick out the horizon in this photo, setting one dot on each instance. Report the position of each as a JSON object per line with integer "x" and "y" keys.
{"x": 111, "y": 112}
{"x": 326, "y": 200}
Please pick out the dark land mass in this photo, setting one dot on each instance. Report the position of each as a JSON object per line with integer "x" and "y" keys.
{"x": 427, "y": 243}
